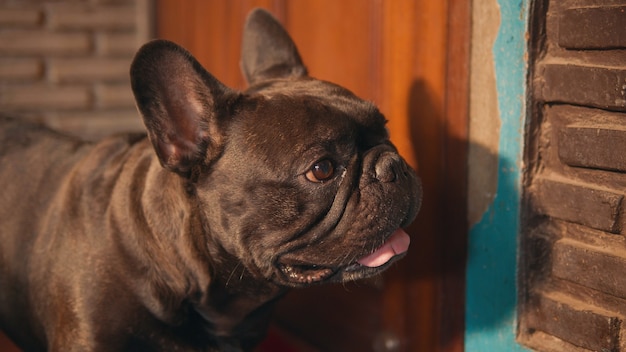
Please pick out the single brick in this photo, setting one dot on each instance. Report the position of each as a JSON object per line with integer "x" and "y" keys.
{"x": 541, "y": 341}
{"x": 19, "y": 17}
{"x": 596, "y": 267}
{"x": 117, "y": 44}
{"x": 574, "y": 321}
{"x": 593, "y": 146}
{"x": 24, "y": 69}
{"x": 31, "y": 98}
{"x": 597, "y": 86}
{"x": 34, "y": 42}
{"x": 114, "y": 96}
{"x": 62, "y": 16}
{"x": 89, "y": 69}
{"x": 580, "y": 203}
{"x": 593, "y": 27}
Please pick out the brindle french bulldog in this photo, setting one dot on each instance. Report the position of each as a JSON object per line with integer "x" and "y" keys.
{"x": 184, "y": 240}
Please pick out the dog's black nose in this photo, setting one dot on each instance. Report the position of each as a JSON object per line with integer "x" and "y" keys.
{"x": 388, "y": 167}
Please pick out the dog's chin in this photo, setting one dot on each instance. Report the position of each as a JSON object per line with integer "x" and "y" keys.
{"x": 296, "y": 273}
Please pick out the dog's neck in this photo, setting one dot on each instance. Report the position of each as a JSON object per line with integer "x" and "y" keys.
{"x": 224, "y": 293}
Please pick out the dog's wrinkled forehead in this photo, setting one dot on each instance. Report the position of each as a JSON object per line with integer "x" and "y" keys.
{"x": 309, "y": 119}
{"x": 329, "y": 96}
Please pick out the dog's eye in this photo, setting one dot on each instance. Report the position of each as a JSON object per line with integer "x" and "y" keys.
{"x": 321, "y": 171}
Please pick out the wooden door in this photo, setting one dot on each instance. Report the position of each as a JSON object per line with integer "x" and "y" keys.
{"x": 410, "y": 57}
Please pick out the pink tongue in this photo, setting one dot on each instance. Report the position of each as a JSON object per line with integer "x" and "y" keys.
{"x": 398, "y": 243}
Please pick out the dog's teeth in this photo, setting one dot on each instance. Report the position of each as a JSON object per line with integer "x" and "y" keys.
{"x": 306, "y": 274}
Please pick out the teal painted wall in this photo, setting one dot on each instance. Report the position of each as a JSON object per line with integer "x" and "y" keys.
{"x": 491, "y": 293}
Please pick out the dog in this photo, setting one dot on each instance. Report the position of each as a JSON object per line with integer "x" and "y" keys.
{"x": 184, "y": 238}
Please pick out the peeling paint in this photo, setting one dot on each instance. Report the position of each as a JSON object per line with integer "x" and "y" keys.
{"x": 484, "y": 127}
{"x": 491, "y": 293}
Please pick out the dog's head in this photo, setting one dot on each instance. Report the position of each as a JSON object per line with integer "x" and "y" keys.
{"x": 296, "y": 177}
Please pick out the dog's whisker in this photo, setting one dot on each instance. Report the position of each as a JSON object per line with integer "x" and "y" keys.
{"x": 232, "y": 273}
{"x": 243, "y": 270}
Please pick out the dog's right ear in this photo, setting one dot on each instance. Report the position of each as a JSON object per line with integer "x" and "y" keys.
{"x": 181, "y": 105}
{"x": 267, "y": 50}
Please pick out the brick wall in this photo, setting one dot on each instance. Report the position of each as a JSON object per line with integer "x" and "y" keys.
{"x": 573, "y": 276}
{"x": 66, "y": 62}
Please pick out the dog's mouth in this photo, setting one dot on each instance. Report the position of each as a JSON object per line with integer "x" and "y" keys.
{"x": 299, "y": 273}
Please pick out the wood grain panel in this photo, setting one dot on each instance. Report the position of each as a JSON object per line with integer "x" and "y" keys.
{"x": 452, "y": 245}
{"x": 409, "y": 57}
{"x": 211, "y": 31}
{"x": 335, "y": 41}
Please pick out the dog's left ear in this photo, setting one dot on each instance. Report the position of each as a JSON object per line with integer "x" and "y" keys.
{"x": 267, "y": 51}
{"x": 181, "y": 105}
